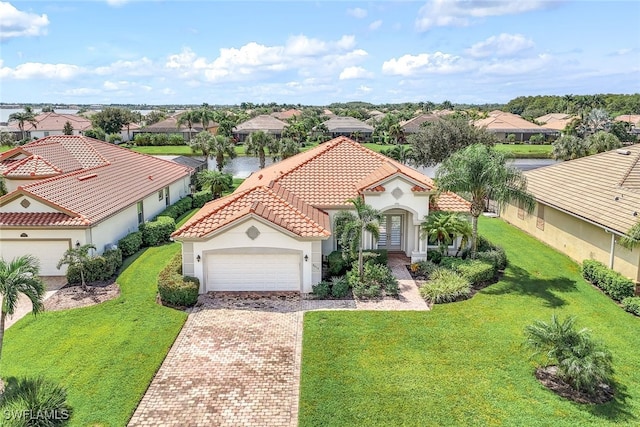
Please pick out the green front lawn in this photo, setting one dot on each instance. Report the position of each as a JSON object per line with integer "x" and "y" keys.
{"x": 526, "y": 151}
{"x": 464, "y": 363}
{"x": 105, "y": 355}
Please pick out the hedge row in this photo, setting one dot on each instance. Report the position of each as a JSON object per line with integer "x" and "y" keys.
{"x": 201, "y": 197}
{"x": 632, "y": 305}
{"x": 611, "y": 282}
{"x": 101, "y": 267}
{"x": 174, "y": 288}
{"x": 130, "y": 244}
{"x": 179, "y": 208}
{"x": 158, "y": 231}
{"x": 338, "y": 265}
{"x": 145, "y": 139}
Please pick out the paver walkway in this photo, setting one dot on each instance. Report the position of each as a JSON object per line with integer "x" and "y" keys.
{"x": 236, "y": 361}
{"x": 24, "y": 307}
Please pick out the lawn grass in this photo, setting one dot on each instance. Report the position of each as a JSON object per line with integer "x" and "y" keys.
{"x": 526, "y": 151}
{"x": 464, "y": 363}
{"x": 4, "y": 148}
{"x": 105, "y": 355}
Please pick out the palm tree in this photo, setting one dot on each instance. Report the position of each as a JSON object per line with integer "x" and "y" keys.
{"x": 188, "y": 118}
{"x": 288, "y": 148}
{"x": 442, "y": 227}
{"x": 569, "y": 147}
{"x": 77, "y": 258}
{"x": 397, "y": 133}
{"x": 26, "y": 116}
{"x": 401, "y": 153}
{"x": 203, "y": 142}
{"x": 204, "y": 115}
{"x": 217, "y": 181}
{"x": 602, "y": 141}
{"x": 222, "y": 147}
{"x": 632, "y": 238}
{"x": 356, "y": 135}
{"x": 257, "y": 143}
{"x": 581, "y": 362}
{"x": 19, "y": 276}
{"x": 481, "y": 172}
{"x": 350, "y": 228}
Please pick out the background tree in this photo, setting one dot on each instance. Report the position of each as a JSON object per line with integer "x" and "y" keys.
{"x": 96, "y": 133}
{"x": 6, "y": 138}
{"x": 480, "y": 172}
{"x": 22, "y": 117}
{"x": 19, "y": 276}
{"x": 581, "y": 361}
{"x": 188, "y": 118}
{"x": 204, "y": 116}
{"x": 569, "y": 147}
{"x": 68, "y": 128}
{"x": 400, "y": 153}
{"x": 602, "y": 141}
{"x": 632, "y": 238}
{"x": 443, "y": 227}
{"x": 111, "y": 119}
{"x": 288, "y": 148}
{"x": 154, "y": 116}
{"x": 217, "y": 181}
{"x": 3, "y": 186}
{"x": 622, "y": 131}
{"x": 219, "y": 147}
{"x": 258, "y": 144}
{"x": 202, "y": 142}
{"x": 350, "y": 227}
{"x": 434, "y": 143}
{"x": 47, "y": 109}
{"x": 77, "y": 258}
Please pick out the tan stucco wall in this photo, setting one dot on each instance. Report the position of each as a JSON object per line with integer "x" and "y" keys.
{"x": 576, "y": 238}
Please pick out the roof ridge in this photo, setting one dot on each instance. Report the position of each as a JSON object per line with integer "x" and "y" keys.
{"x": 323, "y": 148}
{"x": 300, "y": 213}
{"x": 629, "y": 170}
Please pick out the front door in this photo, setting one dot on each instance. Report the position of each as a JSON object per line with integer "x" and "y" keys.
{"x": 390, "y": 233}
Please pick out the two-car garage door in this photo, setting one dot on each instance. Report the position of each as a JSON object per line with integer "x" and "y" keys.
{"x": 48, "y": 253}
{"x": 253, "y": 271}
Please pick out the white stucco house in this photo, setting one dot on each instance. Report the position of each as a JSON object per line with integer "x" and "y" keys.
{"x": 73, "y": 190}
{"x": 272, "y": 233}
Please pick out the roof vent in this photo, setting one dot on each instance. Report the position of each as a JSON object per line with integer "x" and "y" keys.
{"x": 623, "y": 151}
{"x": 86, "y": 177}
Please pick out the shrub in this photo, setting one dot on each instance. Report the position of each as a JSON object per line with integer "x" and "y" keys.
{"x": 113, "y": 261}
{"x": 178, "y": 208}
{"x": 423, "y": 268}
{"x": 321, "y": 290}
{"x": 537, "y": 139}
{"x": 142, "y": 139}
{"x": 445, "y": 286}
{"x": 497, "y": 257}
{"x": 174, "y": 289}
{"x": 201, "y": 197}
{"x": 632, "y": 305}
{"x": 375, "y": 279}
{"x": 434, "y": 256}
{"x": 476, "y": 271}
{"x": 581, "y": 361}
{"x": 452, "y": 263}
{"x": 26, "y": 397}
{"x": 176, "y": 139}
{"x": 160, "y": 139}
{"x": 376, "y": 256}
{"x": 130, "y": 244}
{"x": 339, "y": 287}
{"x": 101, "y": 267}
{"x": 336, "y": 264}
{"x": 158, "y": 231}
{"x": 611, "y": 282}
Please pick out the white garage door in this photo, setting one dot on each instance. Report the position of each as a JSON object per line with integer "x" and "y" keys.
{"x": 253, "y": 272}
{"x": 48, "y": 252}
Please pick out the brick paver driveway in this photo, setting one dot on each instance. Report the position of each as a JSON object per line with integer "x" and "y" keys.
{"x": 235, "y": 363}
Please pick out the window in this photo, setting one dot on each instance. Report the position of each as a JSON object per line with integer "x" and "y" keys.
{"x": 46, "y": 133}
{"x": 167, "y": 200}
{"x": 160, "y": 195}
{"x": 540, "y": 220}
{"x": 140, "y": 213}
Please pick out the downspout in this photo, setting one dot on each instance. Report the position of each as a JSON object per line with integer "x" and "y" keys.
{"x": 613, "y": 249}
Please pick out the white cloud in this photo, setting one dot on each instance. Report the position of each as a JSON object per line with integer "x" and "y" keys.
{"x": 365, "y": 89}
{"x": 302, "y": 46}
{"x": 375, "y": 25}
{"x": 357, "y": 12}
{"x": 16, "y": 23}
{"x": 500, "y": 46}
{"x": 38, "y": 70}
{"x": 346, "y": 42}
{"x": 355, "y": 73}
{"x": 444, "y": 13}
{"x": 517, "y": 66}
{"x": 440, "y": 63}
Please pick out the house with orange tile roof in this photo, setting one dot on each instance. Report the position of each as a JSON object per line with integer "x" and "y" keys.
{"x": 584, "y": 206}
{"x": 503, "y": 124}
{"x": 264, "y": 123}
{"x": 556, "y": 121}
{"x": 274, "y": 231}
{"x": 48, "y": 124}
{"x": 71, "y": 190}
{"x": 349, "y": 127}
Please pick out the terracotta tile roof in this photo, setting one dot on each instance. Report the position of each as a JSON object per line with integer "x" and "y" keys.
{"x": 273, "y": 203}
{"x": 499, "y": 121}
{"x": 347, "y": 124}
{"x": 557, "y": 121}
{"x": 263, "y": 122}
{"x": 112, "y": 179}
{"x": 450, "y": 202}
{"x": 169, "y": 125}
{"x": 414, "y": 125}
{"x": 34, "y": 219}
{"x": 633, "y": 119}
{"x": 33, "y": 167}
{"x": 603, "y": 188}
{"x": 54, "y": 122}
{"x": 284, "y": 115}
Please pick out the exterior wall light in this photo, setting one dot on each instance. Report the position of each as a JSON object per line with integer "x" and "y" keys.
{"x": 198, "y": 258}
{"x": 77, "y": 243}
{"x": 306, "y": 258}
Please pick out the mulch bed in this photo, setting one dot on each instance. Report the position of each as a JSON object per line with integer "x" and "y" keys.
{"x": 548, "y": 378}
{"x": 72, "y": 296}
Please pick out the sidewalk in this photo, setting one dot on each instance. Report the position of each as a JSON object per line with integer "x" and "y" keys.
{"x": 24, "y": 304}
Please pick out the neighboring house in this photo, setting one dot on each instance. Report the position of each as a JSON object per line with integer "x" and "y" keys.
{"x": 504, "y": 124}
{"x": 127, "y": 131}
{"x": 585, "y": 205}
{"x": 415, "y": 124}
{"x": 195, "y": 163}
{"x": 169, "y": 126}
{"x": 67, "y": 191}
{"x": 263, "y": 123}
{"x": 556, "y": 121}
{"x": 48, "y": 124}
{"x": 275, "y": 230}
{"x": 349, "y": 127}
{"x": 633, "y": 120}
{"x": 286, "y": 115}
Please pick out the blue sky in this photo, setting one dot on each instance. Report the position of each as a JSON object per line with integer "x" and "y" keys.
{"x": 316, "y": 53}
